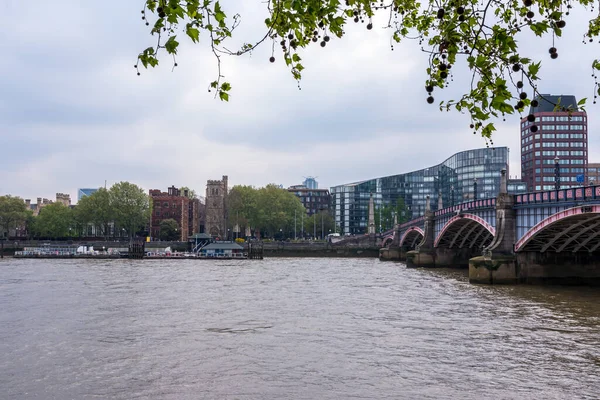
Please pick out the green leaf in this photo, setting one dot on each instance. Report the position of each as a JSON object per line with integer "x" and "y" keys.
{"x": 224, "y": 96}
{"x": 533, "y": 69}
{"x": 171, "y": 45}
{"x": 193, "y": 33}
{"x": 219, "y": 14}
{"x": 582, "y": 101}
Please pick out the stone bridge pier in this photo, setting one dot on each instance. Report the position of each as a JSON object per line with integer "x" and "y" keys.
{"x": 498, "y": 263}
{"x": 424, "y": 255}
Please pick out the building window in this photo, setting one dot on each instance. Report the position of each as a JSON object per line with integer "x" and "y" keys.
{"x": 157, "y": 214}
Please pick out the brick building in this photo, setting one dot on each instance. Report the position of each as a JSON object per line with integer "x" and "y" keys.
{"x": 176, "y": 205}
{"x": 593, "y": 174}
{"x": 314, "y": 200}
{"x": 551, "y": 138}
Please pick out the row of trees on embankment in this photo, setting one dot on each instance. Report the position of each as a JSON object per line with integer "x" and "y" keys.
{"x": 123, "y": 210}
{"x": 275, "y": 213}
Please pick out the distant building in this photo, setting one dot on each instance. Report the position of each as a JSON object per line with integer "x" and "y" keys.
{"x": 63, "y": 198}
{"x": 314, "y": 200}
{"x": 81, "y": 193}
{"x": 516, "y": 186}
{"x": 554, "y": 136}
{"x": 176, "y": 205}
{"x": 42, "y": 202}
{"x": 593, "y": 173}
{"x": 465, "y": 176}
{"x": 215, "y": 220}
{"x": 310, "y": 182}
{"x": 222, "y": 250}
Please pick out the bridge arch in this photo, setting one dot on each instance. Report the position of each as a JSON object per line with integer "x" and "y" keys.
{"x": 388, "y": 240}
{"x": 412, "y": 237}
{"x": 571, "y": 230}
{"x": 465, "y": 230}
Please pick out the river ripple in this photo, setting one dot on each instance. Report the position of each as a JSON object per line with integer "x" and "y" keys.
{"x": 288, "y": 329}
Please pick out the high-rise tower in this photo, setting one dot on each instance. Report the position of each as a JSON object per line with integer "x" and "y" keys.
{"x": 550, "y": 137}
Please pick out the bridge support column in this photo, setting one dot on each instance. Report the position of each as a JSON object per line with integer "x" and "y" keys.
{"x": 498, "y": 263}
{"x": 497, "y": 270}
{"x": 390, "y": 254}
{"x": 394, "y": 252}
{"x": 424, "y": 255}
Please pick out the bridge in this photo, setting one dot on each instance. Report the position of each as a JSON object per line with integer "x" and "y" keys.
{"x": 551, "y": 236}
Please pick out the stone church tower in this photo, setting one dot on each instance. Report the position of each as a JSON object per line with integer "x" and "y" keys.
{"x": 216, "y": 208}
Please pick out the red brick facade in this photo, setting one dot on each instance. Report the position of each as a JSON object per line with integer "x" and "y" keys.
{"x": 178, "y": 206}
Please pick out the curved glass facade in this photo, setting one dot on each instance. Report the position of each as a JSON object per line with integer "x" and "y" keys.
{"x": 454, "y": 179}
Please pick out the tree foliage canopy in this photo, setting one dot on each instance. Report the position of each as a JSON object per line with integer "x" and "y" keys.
{"x": 130, "y": 205}
{"x": 169, "y": 229}
{"x": 12, "y": 212}
{"x": 54, "y": 221}
{"x": 384, "y": 216}
{"x": 268, "y": 209}
{"x": 479, "y": 35}
{"x": 96, "y": 209}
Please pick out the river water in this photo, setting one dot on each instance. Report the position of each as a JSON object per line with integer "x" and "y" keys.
{"x": 288, "y": 329}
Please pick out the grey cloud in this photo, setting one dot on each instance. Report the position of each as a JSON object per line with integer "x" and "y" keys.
{"x": 73, "y": 112}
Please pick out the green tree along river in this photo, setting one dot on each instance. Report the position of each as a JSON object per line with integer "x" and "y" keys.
{"x": 288, "y": 329}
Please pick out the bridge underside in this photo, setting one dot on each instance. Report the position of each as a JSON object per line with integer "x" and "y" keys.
{"x": 411, "y": 240}
{"x": 465, "y": 233}
{"x": 573, "y": 234}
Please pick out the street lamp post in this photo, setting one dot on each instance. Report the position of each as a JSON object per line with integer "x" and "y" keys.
{"x": 380, "y": 218}
{"x": 322, "y": 231}
{"x": 474, "y": 188}
{"x": 556, "y": 173}
{"x": 2, "y": 239}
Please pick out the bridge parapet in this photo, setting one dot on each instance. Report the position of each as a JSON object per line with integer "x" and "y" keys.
{"x": 587, "y": 193}
{"x": 468, "y": 206}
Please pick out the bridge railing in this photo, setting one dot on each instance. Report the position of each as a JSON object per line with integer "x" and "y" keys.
{"x": 469, "y": 205}
{"x": 558, "y": 196}
{"x": 411, "y": 222}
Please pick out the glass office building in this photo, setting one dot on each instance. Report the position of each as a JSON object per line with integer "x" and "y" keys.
{"x": 81, "y": 193}
{"x": 458, "y": 179}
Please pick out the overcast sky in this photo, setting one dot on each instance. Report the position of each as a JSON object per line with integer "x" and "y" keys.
{"x": 74, "y": 114}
